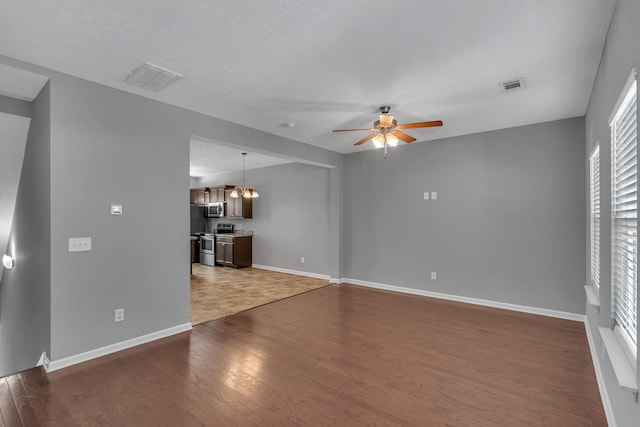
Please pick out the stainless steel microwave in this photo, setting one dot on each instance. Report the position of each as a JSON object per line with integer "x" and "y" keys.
{"x": 215, "y": 210}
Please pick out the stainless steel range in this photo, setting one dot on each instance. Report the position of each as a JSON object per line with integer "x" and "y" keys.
{"x": 207, "y": 249}
{"x": 208, "y": 244}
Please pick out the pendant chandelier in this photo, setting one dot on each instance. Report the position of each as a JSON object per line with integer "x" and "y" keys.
{"x": 244, "y": 190}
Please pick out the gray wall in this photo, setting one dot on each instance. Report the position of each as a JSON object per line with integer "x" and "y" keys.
{"x": 508, "y": 224}
{"x": 290, "y": 218}
{"x": 24, "y": 291}
{"x": 109, "y": 146}
{"x": 15, "y": 106}
{"x": 621, "y": 53}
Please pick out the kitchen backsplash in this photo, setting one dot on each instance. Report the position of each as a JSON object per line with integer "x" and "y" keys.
{"x": 198, "y": 220}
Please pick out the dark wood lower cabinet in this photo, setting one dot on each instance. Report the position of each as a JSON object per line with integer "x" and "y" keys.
{"x": 234, "y": 251}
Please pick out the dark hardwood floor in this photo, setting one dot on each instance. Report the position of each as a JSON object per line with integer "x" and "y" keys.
{"x": 339, "y": 355}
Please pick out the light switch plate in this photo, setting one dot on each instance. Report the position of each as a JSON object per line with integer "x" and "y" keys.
{"x": 434, "y": 195}
{"x": 116, "y": 209}
{"x": 426, "y": 195}
{"x": 79, "y": 244}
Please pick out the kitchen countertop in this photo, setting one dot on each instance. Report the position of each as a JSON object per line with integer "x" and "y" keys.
{"x": 241, "y": 233}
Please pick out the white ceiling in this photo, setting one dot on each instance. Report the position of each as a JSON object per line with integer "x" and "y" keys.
{"x": 209, "y": 159}
{"x": 328, "y": 64}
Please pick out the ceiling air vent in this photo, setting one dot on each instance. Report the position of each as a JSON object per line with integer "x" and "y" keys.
{"x": 152, "y": 77}
{"x": 512, "y": 85}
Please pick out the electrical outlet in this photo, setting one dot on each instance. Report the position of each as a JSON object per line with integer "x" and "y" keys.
{"x": 434, "y": 275}
{"x": 79, "y": 244}
{"x": 119, "y": 315}
{"x": 434, "y": 195}
{"x": 301, "y": 260}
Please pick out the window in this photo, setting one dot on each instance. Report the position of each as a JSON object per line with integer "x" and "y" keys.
{"x": 624, "y": 200}
{"x": 594, "y": 210}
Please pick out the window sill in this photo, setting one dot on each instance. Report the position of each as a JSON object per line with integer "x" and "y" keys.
{"x": 592, "y": 296}
{"x": 625, "y": 373}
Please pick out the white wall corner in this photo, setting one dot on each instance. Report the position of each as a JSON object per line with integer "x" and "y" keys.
{"x": 43, "y": 361}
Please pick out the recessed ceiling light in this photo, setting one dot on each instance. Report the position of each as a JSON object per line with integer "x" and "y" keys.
{"x": 289, "y": 125}
{"x": 152, "y": 77}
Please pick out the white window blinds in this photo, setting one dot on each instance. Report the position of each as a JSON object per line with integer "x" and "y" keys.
{"x": 624, "y": 199}
{"x": 594, "y": 210}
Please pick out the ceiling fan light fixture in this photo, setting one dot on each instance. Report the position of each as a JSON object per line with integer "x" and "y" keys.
{"x": 386, "y": 132}
{"x": 378, "y": 141}
{"x": 386, "y": 120}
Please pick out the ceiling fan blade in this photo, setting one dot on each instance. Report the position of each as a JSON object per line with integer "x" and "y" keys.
{"x": 365, "y": 139}
{"x": 420, "y": 125}
{"x": 403, "y": 136}
{"x": 350, "y": 130}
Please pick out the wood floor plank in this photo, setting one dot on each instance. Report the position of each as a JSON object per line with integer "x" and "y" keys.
{"x": 21, "y": 401}
{"x": 337, "y": 355}
{"x": 8, "y": 410}
{"x": 45, "y": 400}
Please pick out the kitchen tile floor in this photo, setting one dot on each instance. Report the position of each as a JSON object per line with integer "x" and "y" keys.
{"x": 220, "y": 291}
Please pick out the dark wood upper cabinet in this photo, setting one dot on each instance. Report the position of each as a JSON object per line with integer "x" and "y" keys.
{"x": 199, "y": 196}
{"x": 238, "y": 207}
{"x": 216, "y": 194}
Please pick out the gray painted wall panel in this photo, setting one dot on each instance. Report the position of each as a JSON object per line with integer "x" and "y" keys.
{"x": 16, "y": 106}
{"x": 508, "y": 224}
{"x": 24, "y": 291}
{"x": 112, "y": 147}
{"x": 621, "y": 54}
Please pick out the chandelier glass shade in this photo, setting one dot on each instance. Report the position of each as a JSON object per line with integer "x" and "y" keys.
{"x": 244, "y": 190}
{"x": 382, "y": 139}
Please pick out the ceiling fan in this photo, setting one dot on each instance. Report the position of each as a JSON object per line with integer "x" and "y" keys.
{"x": 386, "y": 131}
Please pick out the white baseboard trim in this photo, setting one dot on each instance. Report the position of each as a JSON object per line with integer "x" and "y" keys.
{"x": 604, "y": 395}
{"x": 54, "y": 365}
{"x": 298, "y": 273}
{"x": 507, "y": 306}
